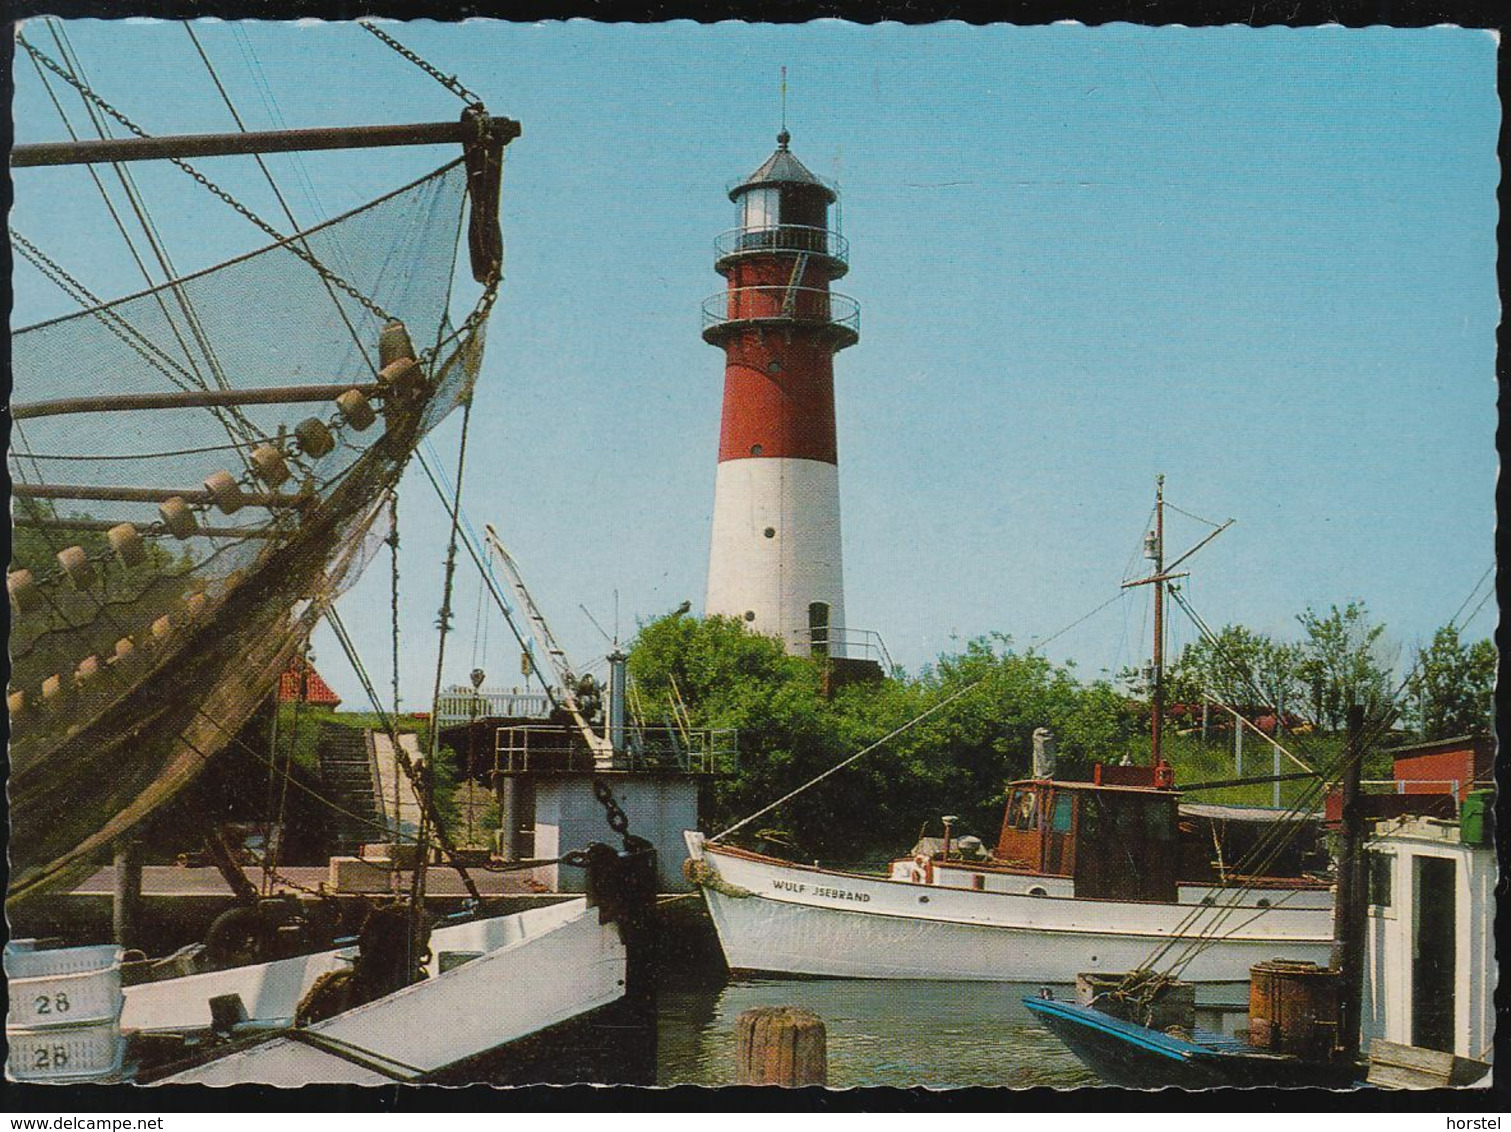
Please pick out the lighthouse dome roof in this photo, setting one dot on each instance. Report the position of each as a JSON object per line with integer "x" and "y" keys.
{"x": 782, "y": 168}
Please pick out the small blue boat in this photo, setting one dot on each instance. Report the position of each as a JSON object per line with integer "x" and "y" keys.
{"x": 1138, "y": 1057}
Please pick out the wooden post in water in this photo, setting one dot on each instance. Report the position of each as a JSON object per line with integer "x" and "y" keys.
{"x": 781, "y": 1045}
{"x": 126, "y": 905}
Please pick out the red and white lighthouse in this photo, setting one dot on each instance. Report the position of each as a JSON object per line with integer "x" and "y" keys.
{"x": 775, "y": 560}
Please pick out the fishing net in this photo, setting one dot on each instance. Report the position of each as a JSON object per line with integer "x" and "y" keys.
{"x": 168, "y": 561}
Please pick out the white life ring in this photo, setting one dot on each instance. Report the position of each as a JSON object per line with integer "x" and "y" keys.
{"x": 922, "y": 871}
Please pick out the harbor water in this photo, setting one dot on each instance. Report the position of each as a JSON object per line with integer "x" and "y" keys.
{"x": 880, "y": 1033}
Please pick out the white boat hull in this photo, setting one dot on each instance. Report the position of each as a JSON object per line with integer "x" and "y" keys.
{"x": 535, "y": 970}
{"x": 797, "y": 920}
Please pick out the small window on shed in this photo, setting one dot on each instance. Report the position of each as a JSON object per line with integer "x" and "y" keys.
{"x": 1381, "y": 866}
{"x": 1059, "y": 822}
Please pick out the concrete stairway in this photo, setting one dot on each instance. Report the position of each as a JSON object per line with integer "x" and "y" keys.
{"x": 346, "y": 768}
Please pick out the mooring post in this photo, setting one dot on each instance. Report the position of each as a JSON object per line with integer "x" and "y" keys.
{"x": 781, "y": 1045}
{"x": 126, "y": 905}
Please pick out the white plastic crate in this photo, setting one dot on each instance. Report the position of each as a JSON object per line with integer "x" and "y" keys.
{"x": 66, "y": 986}
{"x": 23, "y": 961}
{"x": 65, "y": 1054}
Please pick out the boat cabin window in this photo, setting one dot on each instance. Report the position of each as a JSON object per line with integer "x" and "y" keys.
{"x": 1059, "y": 821}
{"x": 1381, "y": 865}
{"x": 1025, "y": 809}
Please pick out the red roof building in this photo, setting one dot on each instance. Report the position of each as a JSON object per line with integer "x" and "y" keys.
{"x": 300, "y": 683}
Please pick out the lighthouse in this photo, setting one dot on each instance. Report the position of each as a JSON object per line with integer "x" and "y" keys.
{"x": 775, "y": 558}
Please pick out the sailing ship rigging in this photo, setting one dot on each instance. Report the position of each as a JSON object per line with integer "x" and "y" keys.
{"x": 183, "y": 519}
{"x": 200, "y": 469}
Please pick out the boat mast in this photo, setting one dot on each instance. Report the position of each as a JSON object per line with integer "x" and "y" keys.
{"x": 1157, "y": 717}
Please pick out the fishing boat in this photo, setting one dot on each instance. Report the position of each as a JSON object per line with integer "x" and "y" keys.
{"x": 1085, "y": 876}
{"x": 199, "y": 470}
{"x": 1405, "y": 1002}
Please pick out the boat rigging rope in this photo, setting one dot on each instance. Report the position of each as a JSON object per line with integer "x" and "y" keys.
{"x": 450, "y": 82}
{"x": 894, "y": 733}
{"x": 232, "y": 418}
{"x": 390, "y": 729}
{"x": 120, "y": 224}
{"x": 325, "y": 273}
{"x": 282, "y": 202}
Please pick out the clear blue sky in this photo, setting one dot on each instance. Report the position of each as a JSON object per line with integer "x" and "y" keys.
{"x": 1260, "y": 262}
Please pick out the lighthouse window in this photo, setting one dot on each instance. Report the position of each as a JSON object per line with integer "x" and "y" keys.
{"x": 761, "y": 208}
{"x": 750, "y": 615}
{"x": 769, "y": 532}
{"x": 756, "y": 450}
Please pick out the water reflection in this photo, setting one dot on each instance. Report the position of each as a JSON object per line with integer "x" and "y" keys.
{"x": 882, "y": 1032}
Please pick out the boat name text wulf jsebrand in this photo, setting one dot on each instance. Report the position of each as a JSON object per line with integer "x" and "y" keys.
{"x": 830, "y": 893}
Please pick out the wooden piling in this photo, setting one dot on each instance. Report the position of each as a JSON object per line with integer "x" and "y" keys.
{"x": 126, "y": 907}
{"x": 781, "y": 1045}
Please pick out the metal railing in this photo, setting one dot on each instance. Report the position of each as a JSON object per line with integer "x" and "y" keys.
{"x": 795, "y": 239}
{"x": 852, "y": 644}
{"x": 547, "y": 748}
{"x": 813, "y": 305}
{"x": 459, "y": 704}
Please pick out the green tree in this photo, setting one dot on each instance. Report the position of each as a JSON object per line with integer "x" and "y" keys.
{"x": 1453, "y": 685}
{"x": 955, "y": 761}
{"x": 1241, "y": 668}
{"x": 1344, "y": 663}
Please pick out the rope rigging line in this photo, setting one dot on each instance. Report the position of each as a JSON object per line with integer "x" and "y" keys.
{"x": 894, "y": 733}
{"x": 277, "y": 193}
{"x": 391, "y": 730}
{"x": 120, "y": 226}
{"x": 1172, "y": 507}
{"x": 1035, "y": 643}
{"x": 1355, "y": 751}
{"x": 154, "y": 241}
{"x": 326, "y": 273}
{"x": 1268, "y": 847}
{"x": 417, "y": 881}
{"x": 437, "y": 478}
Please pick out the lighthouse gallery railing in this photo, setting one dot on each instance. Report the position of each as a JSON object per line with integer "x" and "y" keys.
{"x": 783, "y": 239}
{"x": 813, "y": 305}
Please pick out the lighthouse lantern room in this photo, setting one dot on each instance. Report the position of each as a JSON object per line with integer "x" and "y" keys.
{"x": 775, "y": 558}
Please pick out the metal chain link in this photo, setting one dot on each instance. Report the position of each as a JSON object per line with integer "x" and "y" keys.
{"x": 618, "y": 820}
{"x": 325, "y": 273}
{"x": 450, "y": 82}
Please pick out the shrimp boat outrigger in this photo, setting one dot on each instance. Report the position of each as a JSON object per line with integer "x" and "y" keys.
{"x": 1084, "y": 877}
{"x": 199, "y": 470}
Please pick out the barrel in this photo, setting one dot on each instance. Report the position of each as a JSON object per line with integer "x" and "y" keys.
{"x": 1293, "y": 1008}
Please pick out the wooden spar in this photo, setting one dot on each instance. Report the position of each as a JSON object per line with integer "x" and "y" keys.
{"x": 151, "y": 494}
{"x": 191, "y": 399}
{"x": 64, "y": 523}
{"x": 495, "y": 131}
{"x": 1350, "y": 910}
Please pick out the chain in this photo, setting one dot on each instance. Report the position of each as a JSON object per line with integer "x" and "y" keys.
{"x": 324, "y": 272}
{"x": 450, "y": 82}
{"x": 612, "y": 812}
